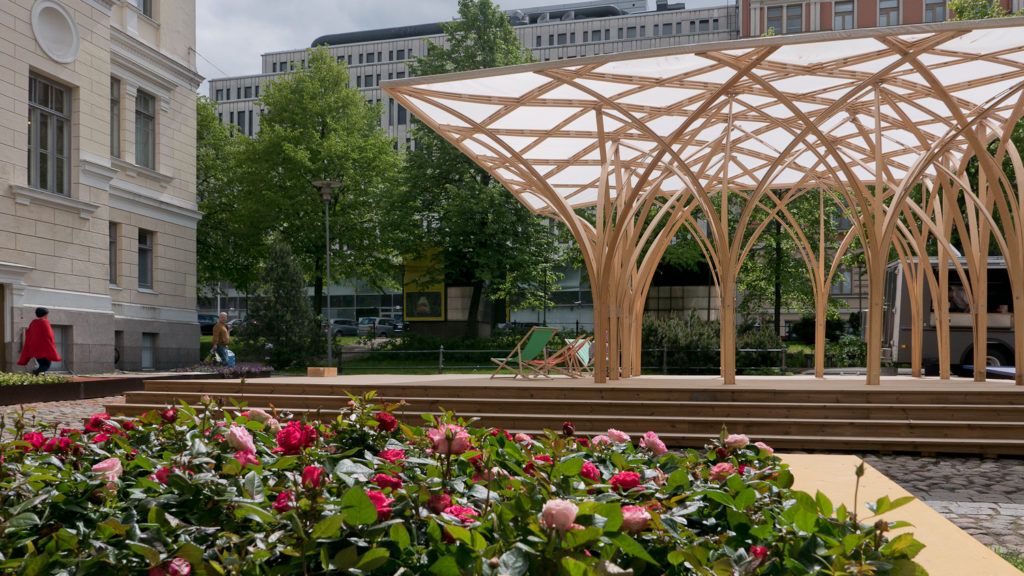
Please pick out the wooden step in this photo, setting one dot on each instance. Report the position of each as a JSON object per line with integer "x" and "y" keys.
{"x": 971, "y": 412}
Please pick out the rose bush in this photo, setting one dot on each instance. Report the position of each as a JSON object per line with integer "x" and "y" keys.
{"x": 182, "y": 493}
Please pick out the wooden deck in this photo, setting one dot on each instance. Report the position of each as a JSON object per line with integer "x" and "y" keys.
{"x": 842, "y": 413}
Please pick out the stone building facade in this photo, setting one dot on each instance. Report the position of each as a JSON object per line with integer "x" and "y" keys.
{"x": 97, "y": 188}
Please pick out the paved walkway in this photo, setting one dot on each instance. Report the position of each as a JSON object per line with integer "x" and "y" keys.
{"x": 984, "y": 497}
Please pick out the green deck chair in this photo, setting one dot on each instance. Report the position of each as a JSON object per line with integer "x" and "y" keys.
{"x": 583, "y": 361}
{"x": 531, "y": 347}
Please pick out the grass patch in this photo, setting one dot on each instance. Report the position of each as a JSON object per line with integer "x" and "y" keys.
{"x": 1014, "y": 558}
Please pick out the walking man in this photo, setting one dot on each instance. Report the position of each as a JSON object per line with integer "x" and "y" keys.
{"x": 221, "y": 337}
{"x": 39, "y": 343}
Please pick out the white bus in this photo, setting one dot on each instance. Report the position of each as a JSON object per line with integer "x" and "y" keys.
{"x": 896, "y": 328}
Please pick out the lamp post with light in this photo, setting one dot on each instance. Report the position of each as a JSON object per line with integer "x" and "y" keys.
{"x": 326, "y": 188}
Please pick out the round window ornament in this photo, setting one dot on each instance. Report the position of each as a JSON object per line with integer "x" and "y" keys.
{"x": 55, "y": 31}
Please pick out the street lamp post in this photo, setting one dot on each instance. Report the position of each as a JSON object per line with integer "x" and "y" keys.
{"x": 326, "y": 189}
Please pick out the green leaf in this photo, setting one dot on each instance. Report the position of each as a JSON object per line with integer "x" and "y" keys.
{"x": 632, "y": 547}
{"x": 514, "y": 563}
{"x": 577, "y": 538}
{"x": 247, "y": 510}
{"x": 571, "y": 467}
{"x": 400, "y": 536}
{"x": 194, "y": 555}
{"x": 745, "y": 499}
{"x": 784, "y": 479}
{"x": 573, "y": 567}
{"x": 676, "y": 557}
{"x": 612, "y": 512}
{"x": 359, "y": 509}
{"x": 253, "y": 486}
{"x": 679, "y": 478}
{"x": 903, "y": 545}
{"x": 824, "y": 504}
{"x": 23, "y": 520}
{"x": 36, "y": 565}
{"x": 720, "y": 497}
{"x": 328, "y": 527}
{"x": 619, "y": 460}
{"x": 346, "y": 559}
{"x": 373, "y": 559}
{"x": 445, "y": 566}
{"x": 152, "y": 555}
{"x": 459, "y": 533}
{"x": 283, "y": 463}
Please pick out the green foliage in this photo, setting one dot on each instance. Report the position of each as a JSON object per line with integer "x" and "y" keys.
{"x": 803, "y": 329}
{"x": 314, "y": 127}
{"x": 975, "y": 9}
{"x": 487, "y": 239}
{"x": 848, "y": 350}
{"x": 236, "y": 491}
{"x": 280, "y": 318}
{"x": 1014, "y": 558}
{"x": 26, "y": 378}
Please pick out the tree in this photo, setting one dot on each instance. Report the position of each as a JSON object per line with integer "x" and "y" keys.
{"x": 485, "y": 237}
{"x": 975, "y": 9}
{"x": 280, "y": 313}
{"x": 315, "y": 127}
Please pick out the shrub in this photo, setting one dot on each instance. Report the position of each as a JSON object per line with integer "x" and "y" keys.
{"x": 803, "y": 329}
{"x": 241, "y": 492}
{"x": 26, "y": 378}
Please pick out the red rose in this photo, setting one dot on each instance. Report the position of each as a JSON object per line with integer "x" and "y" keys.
{"x": 294, "y": 437}
{"x": 36, "y": 439}
{"x": 438, "y": 502}
{"x": 584, "y": 442}
{"x": 758, "y": 551}
{"x": 313, "y": 477}
{"x": 530, "y": 466}
{"x": 284, "y": 502}
{"x": 386, "y": 422}
{"x": 392, "y": 455}
{"x": 625, "y": 481}
{"x": 100, "y": 438}
{"x": 161, "y": 475}
{"x": 385, "y": 481}
{"x": 169, "y": 415}
{"x": 590, "y": 472}
{"x": 499, "y": 432}
{"x": 96, "y": 422}
{"x": 382, "y": 503}
{"x": 568, "y": 429}
{"x": 246, "y": 457}
{"x": 58, "y": 445}
{"x": 464, "y": 514}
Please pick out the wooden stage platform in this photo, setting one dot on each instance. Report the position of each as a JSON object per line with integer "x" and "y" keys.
{"x": 837, "y": 413}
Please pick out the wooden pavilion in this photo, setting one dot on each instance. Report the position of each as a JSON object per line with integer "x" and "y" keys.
{"x": 905, "y": 129}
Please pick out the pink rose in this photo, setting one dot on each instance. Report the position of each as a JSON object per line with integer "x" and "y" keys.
{"x": 653, "y": 443}
{"x": 765, "y": 447}
{"x": 721, "y": 471}
{"x": 246, "y": 457}
{"x": 758, "y": 551}
{"x": 449, "y": 439}
{"x": 736, "y": 441}
{"x": 36, "y": 439}
{"x": 285, "y": 501}
{"x": 465, "y": 514}
{"x": 110, "y": 469}
{"x": 437, "y": 503}
{"x": 273, "y": 426}
{"x": 590, "y": 472}
{"x": 392, "y": 455}
{"x": 541, "y": 459}
{"x": 602, "y": 439}
{"x": 522, "y": 438}
{"x": 386, "y": 481}
{"x": 625, "y": 481}
{"x": 313, "y": 477}
{"x": 558, "y": 514}
{"x": 382, "y": 503}
{"x": 386, "y": 422}
{"x": 179, "y": 567}
{"x": 635, "y": 519}
{"x": 294, "y": 437}
{"x": 240, "y": 439}
{"x": 618, "y": 436}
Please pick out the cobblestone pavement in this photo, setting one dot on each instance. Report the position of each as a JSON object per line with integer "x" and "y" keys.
{"x": 984, "y": 497}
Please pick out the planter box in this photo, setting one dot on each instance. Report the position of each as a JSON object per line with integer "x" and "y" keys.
{"x": 86, "y": 388}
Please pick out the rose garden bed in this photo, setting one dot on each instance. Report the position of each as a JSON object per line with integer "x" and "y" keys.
{"x": 229, "y": 491}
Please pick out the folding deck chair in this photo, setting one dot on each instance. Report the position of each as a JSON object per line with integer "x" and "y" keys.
{"x": 582, "y": 362}
{"x": 529, "y": 348}
{"x": 564, "y": 361}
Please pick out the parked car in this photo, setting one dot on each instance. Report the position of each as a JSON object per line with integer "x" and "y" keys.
{"x": 402, "y": 326}
{"x": 371, "y": 325}
{"x": 344, "y": 327}
{"x": 206, "y": 322}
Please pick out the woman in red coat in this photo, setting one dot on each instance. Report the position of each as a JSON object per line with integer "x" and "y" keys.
{"x": 39, "y": 343}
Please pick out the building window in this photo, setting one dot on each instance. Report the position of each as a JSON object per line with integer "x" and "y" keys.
{"x": 257, "y": 90}
{"x": 379, "y": 58}
{"x": 538, "y": 42}
{"x": 145, "y": 259}
{"x": 607, "y": 34}
{"x": 145, "y": 6}
{"x": 666, "y": 29}
{"x": 241, "y": 122}
{"x": 679, "y": 27}
{"x": 714, "y": 23}
{"x": 360, "y": 58}
{"x": 378, "y": 80}
{"x": 693, "y": 25}
{"x": 402, "y": 114}
{"x": 49, "y": 135}
{"x": 794, "y": 18}
{"x": 231, "y": 117}
{"x": 112, "y": 253}
{"x": 220, "y": 92}
{"x": 843, "y": 16}
{"x": 115, "y": 117}
{"x": 596, "y": 36}
{"x": 643, "y": 31}
{"x": 631, "y": 32}
{"x": 704, "y": 26}
{"x": 369, "y": 58}
{"x": 391, "y": 112}
{"x": 248, "y": 91}
{"x": 561, "y": 38}
{"x": 359, "y": 81}
{"x": 399, "y": 75}
{"x": 586, "y": 36}
{"x": 888, "y": 12}
{"x": 551, "y": 39}
{"x": 238, "y": 93}
{"x": 620, "y": 34}
{"x": 368, "y": 81}
{"x": 935, "y": 10}
{"x": 572, "y": 37}
{"x": 349, "y": 59}
{"x": 145, "y": 130}
{"x": 843, "y": 284}
{"x": 250, "y": 122}
{"x": 148, "y": 351}
{"x": 401, "y": 54}
{"x": 391, "y": 55}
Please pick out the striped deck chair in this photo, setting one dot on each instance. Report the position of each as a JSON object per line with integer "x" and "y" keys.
{"x": 531, "y": 347}
{"x": 562, "y": 361}
{"x": 582, "y": 363}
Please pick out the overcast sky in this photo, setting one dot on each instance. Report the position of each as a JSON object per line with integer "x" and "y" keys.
{"x": 232, "y": 34}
